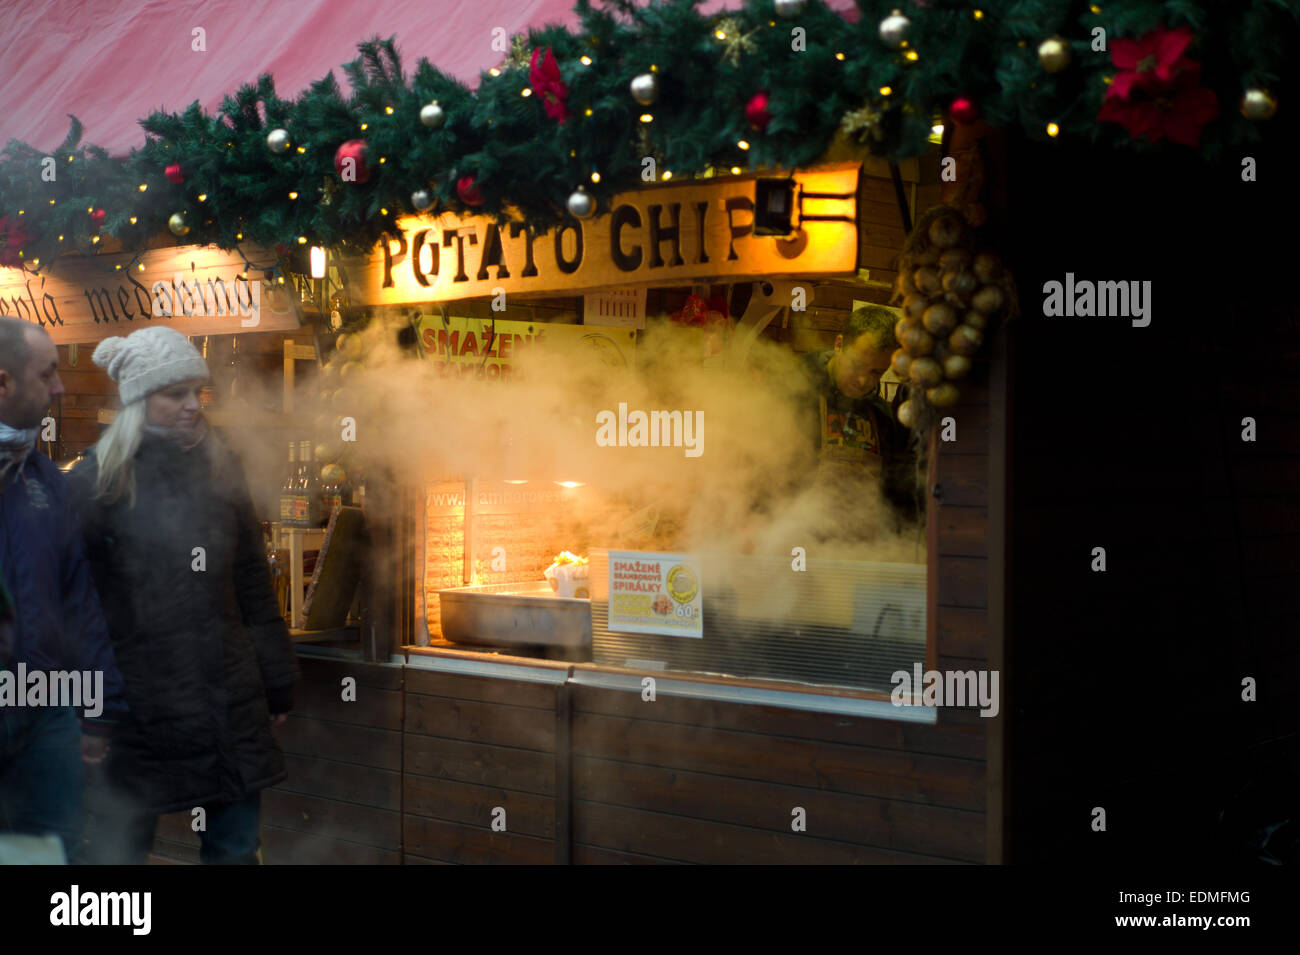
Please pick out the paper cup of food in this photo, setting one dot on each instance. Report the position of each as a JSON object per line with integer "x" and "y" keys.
{"x": 568, "y": 575}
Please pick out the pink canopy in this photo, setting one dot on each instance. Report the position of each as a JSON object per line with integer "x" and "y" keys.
{"x": 112, "y": 62}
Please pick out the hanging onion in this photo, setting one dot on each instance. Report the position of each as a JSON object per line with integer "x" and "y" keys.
{"x": 988, "y": 300}
{"x": 987, "y": 267}
{"x": 925, "y": 372}
{"x": 965, "y": 340}
{"x": 939, "y": 319}
{"x": 942, "y": 396}
{"x": 907, "y": 414}
{"x": 900, "y": 362}
{"x": 956, "y": 367}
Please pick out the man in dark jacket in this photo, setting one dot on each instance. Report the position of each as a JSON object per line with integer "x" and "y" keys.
{"x": 56, "y": 621}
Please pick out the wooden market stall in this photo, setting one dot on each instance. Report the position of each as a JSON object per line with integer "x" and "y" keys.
{"x": 451, "y": 754}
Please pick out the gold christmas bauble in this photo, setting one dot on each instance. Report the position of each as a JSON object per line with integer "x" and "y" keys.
{"x": 1258, "y": 104}
{"x": 350, "y": 370}
{"x": 1054, "y": 54}
{"x": 332, "y": 474}
{"x": 178, "y": 223}
{"x": 976, "y": 319}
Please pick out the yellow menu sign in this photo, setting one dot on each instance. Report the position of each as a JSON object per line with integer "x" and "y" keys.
{"x": 484, "y": 348}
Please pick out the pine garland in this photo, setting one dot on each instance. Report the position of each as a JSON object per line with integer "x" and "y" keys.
{"x": 816, "y": 68}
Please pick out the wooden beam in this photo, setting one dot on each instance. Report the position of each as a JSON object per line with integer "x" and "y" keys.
{"x": 998, "y": 815}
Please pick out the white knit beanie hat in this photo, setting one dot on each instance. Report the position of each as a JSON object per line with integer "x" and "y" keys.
{"x": 147, "y": 360}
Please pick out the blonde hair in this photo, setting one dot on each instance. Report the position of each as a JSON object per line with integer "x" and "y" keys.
{"x": 115, "y": 452}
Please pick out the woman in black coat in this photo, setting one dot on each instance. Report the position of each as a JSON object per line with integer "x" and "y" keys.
{"x": 177, "y": 555}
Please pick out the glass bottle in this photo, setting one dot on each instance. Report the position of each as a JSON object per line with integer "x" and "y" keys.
{"x": 207, "y": 395}
{"x": 310, "y": 486}
{"x": 288, "y": 486}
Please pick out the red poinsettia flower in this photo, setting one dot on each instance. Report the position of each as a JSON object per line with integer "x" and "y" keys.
{"x": 12, "y": 238}
{"x": 1176, "y": 112}
{"x": 544, "y": 73}
{"x": 1149, "y": 63}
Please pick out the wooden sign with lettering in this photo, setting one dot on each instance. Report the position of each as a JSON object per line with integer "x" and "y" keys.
{"x": 660, "y": 235}
{"x": 197, "y": 290}
{"x": 486, "y": 349}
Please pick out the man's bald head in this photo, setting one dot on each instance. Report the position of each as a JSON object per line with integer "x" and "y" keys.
{"x": 15, "y": 346}
{"x": 29, "y": 373}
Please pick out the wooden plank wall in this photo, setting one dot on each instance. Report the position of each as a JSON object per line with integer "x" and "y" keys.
{"x": 472, "y": 746}
{"x": 342, "y": 800}
{"x": 681, "y": 780}
{"x": 87, "y": 389}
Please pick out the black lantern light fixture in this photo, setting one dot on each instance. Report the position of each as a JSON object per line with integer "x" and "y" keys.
{"x": 774, "y": 207}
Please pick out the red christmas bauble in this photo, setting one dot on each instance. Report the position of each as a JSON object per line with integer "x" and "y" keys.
{"x": 98, "y": 217}
{"x": 174, "y": 174}
{"x": 467, "y": 189}
{"x": 356, "y": 170}
{"x": 756, "y": 112}
{"x": 963, "y": 110}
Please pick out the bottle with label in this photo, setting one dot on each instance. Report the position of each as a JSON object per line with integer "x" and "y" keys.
{"x": 207, "y": 395}
{"x": 288, "y": 487}
{"x": 310, "y": 487}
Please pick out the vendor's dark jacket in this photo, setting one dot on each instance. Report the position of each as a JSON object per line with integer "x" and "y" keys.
{"x": 204, "y": 653}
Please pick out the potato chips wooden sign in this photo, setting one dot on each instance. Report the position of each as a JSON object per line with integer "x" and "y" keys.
{"x": 660, "y": 235}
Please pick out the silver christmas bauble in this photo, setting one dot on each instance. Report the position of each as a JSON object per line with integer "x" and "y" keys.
{"x": 432, "y": 115}
{"x": 421, "y": 200}
{"x": 179, "y": 223}
{"x": 790, "y": 8}
{"x": 277, "y": 140}
{"x": 581, "y": 205}
{"x": 894, "y": 29}
{"x": 336, "y": 320}
{"x": 645, "y": 87}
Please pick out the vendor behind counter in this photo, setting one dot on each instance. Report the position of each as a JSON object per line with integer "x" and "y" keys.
{"x": 853, "y": 426}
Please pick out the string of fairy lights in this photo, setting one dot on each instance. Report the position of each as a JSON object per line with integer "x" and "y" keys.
{"x": 645, "y": 93}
